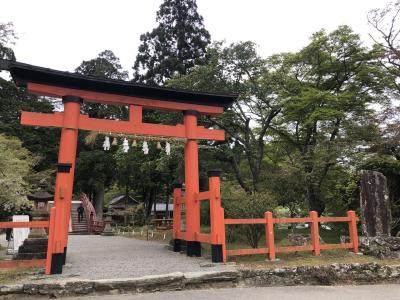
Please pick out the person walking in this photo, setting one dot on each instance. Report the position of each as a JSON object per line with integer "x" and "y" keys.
{"x": 80, "y": 211}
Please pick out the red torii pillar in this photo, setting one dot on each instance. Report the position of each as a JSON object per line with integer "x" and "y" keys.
{"x": 71, "y": 121}
{"x": 64, "y": 181}
{"x": 65, "y": 178}
{"x": 192, "y": 184}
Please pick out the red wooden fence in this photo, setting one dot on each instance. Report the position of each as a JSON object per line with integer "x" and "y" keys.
{"x": 34, "y": 262}
{"x": 315, "y": 245}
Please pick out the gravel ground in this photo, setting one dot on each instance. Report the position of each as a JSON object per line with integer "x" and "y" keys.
{"x": 106, "y": 257}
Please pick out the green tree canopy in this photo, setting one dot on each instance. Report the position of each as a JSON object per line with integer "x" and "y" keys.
{"x": 176, "y": 45}
{"x": 16, "y": 165}
{"x": 107, "y": 66}
{"x": 328, "y": 87}
{"x": 239, "y": 69}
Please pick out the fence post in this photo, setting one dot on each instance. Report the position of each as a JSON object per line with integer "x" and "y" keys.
{"x": 177, "y": 216}
{"x": 50, "y": 241}
{"x": 269, "y": 234}
{"x": 353, "y": 230}
{"x": 216, "y": 217}
{"x": 315, "y": 233}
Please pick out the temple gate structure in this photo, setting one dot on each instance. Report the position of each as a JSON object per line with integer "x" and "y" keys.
{"x": 76, "y": 89}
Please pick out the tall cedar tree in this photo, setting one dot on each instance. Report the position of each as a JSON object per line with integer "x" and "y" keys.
{"x": 177, "y": 44}
{"x": 95, "y": 168}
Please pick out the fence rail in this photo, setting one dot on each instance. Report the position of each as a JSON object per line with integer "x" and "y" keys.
{"x": 6, "y": 264}
{"x": 315, "y": 245}
{"x": 31, "y": 224}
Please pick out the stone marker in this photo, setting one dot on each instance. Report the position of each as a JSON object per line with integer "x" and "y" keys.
{"x": 375, "y": 204}
{"x": 35, "y": 246}
{"x": 20, "y": 234}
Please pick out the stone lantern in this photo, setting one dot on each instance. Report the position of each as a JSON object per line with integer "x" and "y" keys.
{"x": 107, "y": 225}
{"x": 35, "y": 246}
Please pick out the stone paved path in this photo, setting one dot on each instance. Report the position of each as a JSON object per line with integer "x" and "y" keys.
{"x": 104, "y": 257}
{"x": 386, "y": 292}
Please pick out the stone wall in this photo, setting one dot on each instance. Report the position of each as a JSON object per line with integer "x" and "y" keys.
{"x": 307, "y": 275}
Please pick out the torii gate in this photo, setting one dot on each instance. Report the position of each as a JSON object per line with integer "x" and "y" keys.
{"x": 75, "y": 89}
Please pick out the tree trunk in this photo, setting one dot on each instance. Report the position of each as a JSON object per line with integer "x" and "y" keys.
{"x": 99, "y": 201}
{"x": 314, "y": 198}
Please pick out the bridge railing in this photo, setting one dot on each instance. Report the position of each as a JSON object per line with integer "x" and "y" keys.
{"x": 94, "y": 225}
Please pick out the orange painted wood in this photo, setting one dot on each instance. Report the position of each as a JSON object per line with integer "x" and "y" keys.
{"x": 244, "y": 221}
{"x": 292, "y": 220}
{"x": 32, "y": 224}
{"x": 180, "y": 200}
{"x": 333, "y": 219}
{"x": 234, "y": 252}
{"x": 336, "y": 246}
{"x": 41, "y": 119}
{"x": 315, "y": 244}
{"x": 127, "y": 127}
{"x": 177, "y": 213}
{"x": 181, "y": 235}
{"x": 315, "y": 233}
{"x": 50, "y": 242}
{"x": 210, "y": 134}
{"x": 203, "y": 238}
{"x": 216, "y": 212}
{"x": 294, "y": 248}
{"x": 65, "y": 181}
{"x": 106, "y": 98}
{"x": 135, "y": 114}
{"x": 191, "y": 157}
{"x": 203, "y": 196}
{"x": 11, "y": 264}
{"x": 269, "y": 235}
{"x": 353, "y": 230}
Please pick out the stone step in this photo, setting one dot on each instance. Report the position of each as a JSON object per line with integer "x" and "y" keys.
{"x": 28, "y": 256}
{"x": 37, "y": 241}
{"x": 32, "y": 248}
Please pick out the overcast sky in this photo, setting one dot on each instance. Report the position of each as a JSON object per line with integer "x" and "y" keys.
{"x": 60, "y": 34}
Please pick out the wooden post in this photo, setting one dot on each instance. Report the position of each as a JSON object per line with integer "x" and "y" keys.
{"x": 50, "y": 241}
{"x": 65, "y": 180}
{"x": 216, "y": 218}
{"x": 177, "y": 217}
{"x": 193, "y": 247}
{"x": 353, "y": 230}
{"x": 315, "y": 233}
{"x": 269, "y": 235}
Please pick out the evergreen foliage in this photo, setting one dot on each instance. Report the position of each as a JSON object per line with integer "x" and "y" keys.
{"x": 175, "y": 46}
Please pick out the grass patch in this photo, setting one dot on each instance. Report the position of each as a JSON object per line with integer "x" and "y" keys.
{"x": 17, "y": 274}
{"x": 294, "y": 259}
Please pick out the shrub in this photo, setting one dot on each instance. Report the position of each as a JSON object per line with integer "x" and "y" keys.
{"x": 241, "y": 205}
